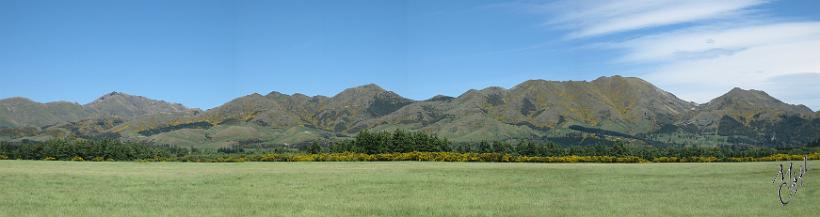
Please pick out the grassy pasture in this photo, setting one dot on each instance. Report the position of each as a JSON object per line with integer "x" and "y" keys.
{"x": 50, "y": 188}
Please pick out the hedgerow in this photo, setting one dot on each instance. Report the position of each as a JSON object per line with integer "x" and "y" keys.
{"x": 461, "y": 157}
{"x": 397, "y": 146}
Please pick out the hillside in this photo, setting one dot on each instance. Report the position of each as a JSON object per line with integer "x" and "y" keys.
{"x": 127, "y": 106}
{"x": 22, "y": 112}
{"x": 569, "y": 112}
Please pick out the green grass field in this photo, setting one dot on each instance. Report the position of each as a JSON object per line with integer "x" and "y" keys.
{"x": 48, "y": 188}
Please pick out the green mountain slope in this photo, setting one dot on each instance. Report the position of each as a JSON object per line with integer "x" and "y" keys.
{"x": 752, "y": 116}
{"x": 608, "y": 107}
{"x": 22, "y": 112}
{"x": 128, "y": 106}
{"x": 103, "y": 117}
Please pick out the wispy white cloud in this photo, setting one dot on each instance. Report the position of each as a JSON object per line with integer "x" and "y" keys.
{"x": 757, "y": 64}
{"x": 587, "y": 18}
{"x": 700, "y": 63}
{"x": 725, "y": 44}
{"x": 708, "y": 41}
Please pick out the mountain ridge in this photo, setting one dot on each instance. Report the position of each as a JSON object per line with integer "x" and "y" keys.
{"x": 628, "y": 107}
{"x": 24, "y": 112}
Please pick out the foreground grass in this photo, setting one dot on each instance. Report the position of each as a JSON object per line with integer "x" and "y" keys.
{"x": 48, "y": 188}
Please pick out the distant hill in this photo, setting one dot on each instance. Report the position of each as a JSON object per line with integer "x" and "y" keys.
{"x": 20, "y": 111}
{"x": 752, "y": 116}
{"x": 619, "y": 108}
{"x": 127, "y": 106}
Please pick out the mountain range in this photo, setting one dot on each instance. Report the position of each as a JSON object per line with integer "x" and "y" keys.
{"x": 613, "y": 108}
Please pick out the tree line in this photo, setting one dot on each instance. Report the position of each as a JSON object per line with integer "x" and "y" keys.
{"x": 89, "y": 149}
{"x": 398, "y": 141}
{"x": 394, "y": 145}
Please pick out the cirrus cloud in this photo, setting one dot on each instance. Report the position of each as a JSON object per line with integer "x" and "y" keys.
{"x": 704, "y": 62}
{"x": 701, "y": 49}
{"x": 595, "y": 18}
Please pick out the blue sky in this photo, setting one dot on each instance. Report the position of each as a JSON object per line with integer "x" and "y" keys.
{"x": 203, "y": 53}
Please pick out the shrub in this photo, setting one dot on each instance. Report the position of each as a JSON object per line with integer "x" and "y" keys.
{"x": 814, "y": 156}
{"x": 271, "y": 157}
{"x": 398, "y": 146}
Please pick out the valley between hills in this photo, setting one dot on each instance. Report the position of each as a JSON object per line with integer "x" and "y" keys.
{"x": 564, "y": 112}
